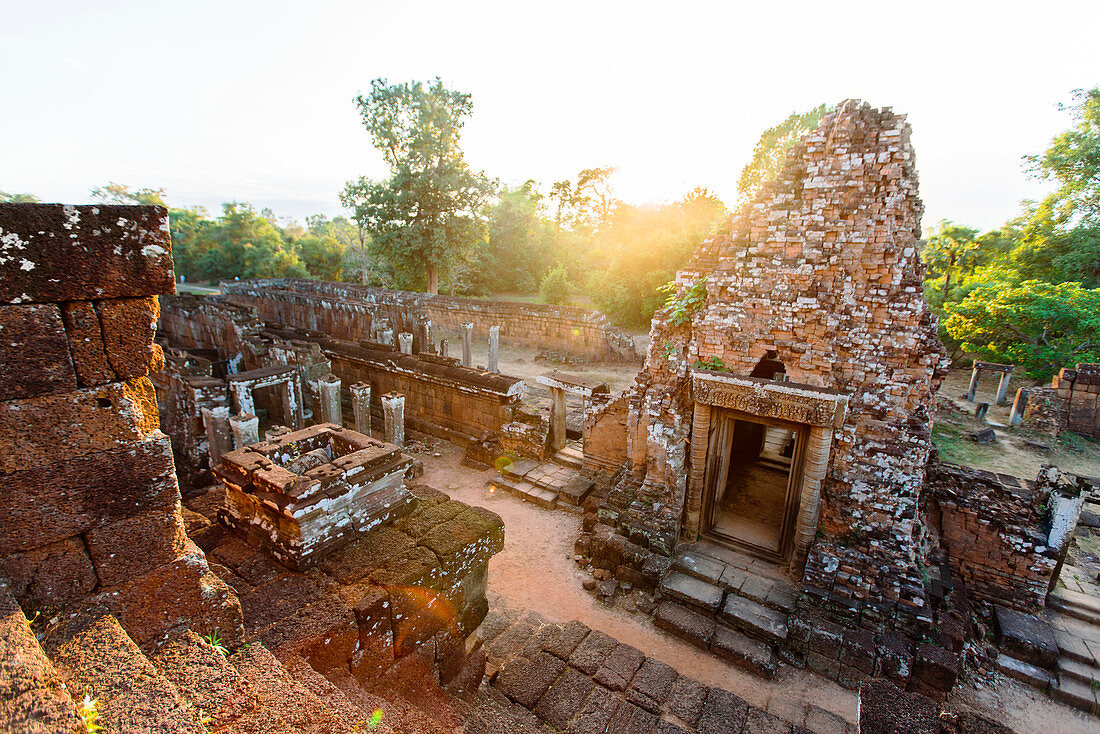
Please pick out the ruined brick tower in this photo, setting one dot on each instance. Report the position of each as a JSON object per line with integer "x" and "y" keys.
{"x": 810, "y": 345}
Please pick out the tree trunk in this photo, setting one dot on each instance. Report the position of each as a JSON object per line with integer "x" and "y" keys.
{"x": 433, "y": 280}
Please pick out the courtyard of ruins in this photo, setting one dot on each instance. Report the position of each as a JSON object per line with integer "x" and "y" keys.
{"x": 307, "y": 506}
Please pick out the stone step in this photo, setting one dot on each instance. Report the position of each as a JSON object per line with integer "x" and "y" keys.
{"x": 575, "y": 491}
{"x": 691, "y": 591}
{"x": 526, "y": 491}
{"x": 1087, "y": 674}
{"x": 1075, "y": 604}
{"x": 34, "y": 697}
{"x": 755, "y": 620}
{"x": 569, "y": 457}
{"x": 1079, "y": 695}
{"x": 1033, "y": 675}
{"x": 283, "y": 704}
{"x": 746, "y": 653}
{"x": 96, "y": 657}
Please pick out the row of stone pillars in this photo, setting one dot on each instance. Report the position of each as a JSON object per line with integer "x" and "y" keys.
{"x": 466, "y": 332}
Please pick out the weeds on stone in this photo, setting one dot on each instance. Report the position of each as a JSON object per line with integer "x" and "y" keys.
{"x": 715, "y": 364}
{"x": 682, "y": 308}
{"x": 216, "y": 642}
{"x": 88, "y": 709}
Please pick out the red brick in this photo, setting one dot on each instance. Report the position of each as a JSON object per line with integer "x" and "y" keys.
{"x": 86, "y": 343}
{"x": 130, "y": 547}
{"x": 129, "y": 325}
{"x": 48, "y": 577}
{"x": 34, "y": 352}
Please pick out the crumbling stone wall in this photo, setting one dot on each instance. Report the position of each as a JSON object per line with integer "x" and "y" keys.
{"x": 992, "y": 532}
{"x": 348, "y": 311}
{"x": 821, "y": 268}
{"x": 1072, "y": 402}
{"x": 89, "y": 505}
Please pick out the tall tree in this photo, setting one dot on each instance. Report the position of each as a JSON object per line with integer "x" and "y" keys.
{"x": 771, "y": 150}
{"x": 426, "y": 216}
{"x": 951, "y": 250}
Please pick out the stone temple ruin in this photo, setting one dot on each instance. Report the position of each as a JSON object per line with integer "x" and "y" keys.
{"x": 766, "y": 489}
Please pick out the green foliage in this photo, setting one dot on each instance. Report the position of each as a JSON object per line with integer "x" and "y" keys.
{"x": 426, "y": 217}
{"x": 1040, "y": 326}
{"x": 522, "y": 242}
{"x": 717, "y": 364}
{"x": 115, "y": 193}
{"x": 6, "y": 198}
{"x": 951, "y": 251}
{"x": 555, "y": 287}
{"x": 681, "y": 306}
{"x": 771, "y": 150}
{"x": 88, "y": 710}
{"x": 216, "y": 642}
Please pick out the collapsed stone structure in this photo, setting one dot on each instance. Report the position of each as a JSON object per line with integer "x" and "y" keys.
{"x": 354, "y": 313}
{"x": 1071, "y": 403}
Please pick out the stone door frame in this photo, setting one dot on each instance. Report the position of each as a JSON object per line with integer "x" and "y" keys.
{"x": 819, "y": 411}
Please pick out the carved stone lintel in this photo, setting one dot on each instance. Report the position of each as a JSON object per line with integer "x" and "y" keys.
{"x": 766, "y": 399}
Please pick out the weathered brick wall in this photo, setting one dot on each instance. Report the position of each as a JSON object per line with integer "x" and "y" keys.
{"x": 822, "y": 268}
{"x": 992, "y": 535}
{"x": 1078, "y": 390}
{"x": 441, "y": 398}
{"x": 209, "y": 322}
{"x": 347, "y": 311}
{"x": 89, "y": 505}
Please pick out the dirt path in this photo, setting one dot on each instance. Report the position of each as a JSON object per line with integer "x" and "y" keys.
{"x": 535, "y": 571}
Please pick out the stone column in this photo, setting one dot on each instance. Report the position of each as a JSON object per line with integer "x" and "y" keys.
{"x": 329, "y": 387}
{"x": 393, "y": 411}
{"x": 1019, "y": 406}
{"x": 494, "y": 348}
{"x": 973, "y": 389}
{"x": 405, "y": 341}
{"x": 1002, "y": 388}
{"x": 360, "y": 406}
{"x": 443, "y": 348}
{"x": 246, "y": 430}
{"x": 819, "y": 445}
{"x": 557, "y": 419}
{"x": 425, "y": 328}
{"x": 242, "y": 397}
{"x": 700, "y": 438}
{"x": 467, "y": 331}
{"x": 219, "y": 436}
{"x": 385, "y": 336}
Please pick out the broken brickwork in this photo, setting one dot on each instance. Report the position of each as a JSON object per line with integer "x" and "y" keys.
{"x": 302, "y": 495}
{"x": 89, "y": 506}
{"x": 353, "y": 312}
{"x": 1072, "y": 402}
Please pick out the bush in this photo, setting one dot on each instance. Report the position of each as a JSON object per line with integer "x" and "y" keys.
{"x": 555, "y": 287}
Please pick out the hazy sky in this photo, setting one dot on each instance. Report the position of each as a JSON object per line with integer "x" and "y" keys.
{"x": 217, "y": 101}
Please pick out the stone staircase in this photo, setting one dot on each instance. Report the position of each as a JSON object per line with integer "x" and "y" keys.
{"x": 573, "y": 678}
{"x": 548, "y": 484}
{"x": 571, "y": 457}
{"x": 728, "y": 603}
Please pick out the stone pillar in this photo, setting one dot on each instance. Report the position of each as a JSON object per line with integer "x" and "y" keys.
{"x": 443, "y": 348}
{"x": 242, "y": 398}
{"x": 467, "y": 331}
{"x": 700, "y": 438}
{"x": 246, "y": 430}
{"x": 360, "y": 406}
{"x": 973, "y": 389}
{"x": 1002, "y": 388}
{"x": 385, "y": 336}
{"x": 819, "y": 446}
{"x": 405, "y": 341}
{"x": 275, "y": 432}
{"x": 1019, "y": 407}
{"x": 393, "y": 411}
{"x": 425, "y": 328}
{"x": 557, "y": 419}
{"x": 219, "y": 436}
{"x": 981, "y": 410}
{"x": 329, "y": 387}
{"x": 494, "y": 348}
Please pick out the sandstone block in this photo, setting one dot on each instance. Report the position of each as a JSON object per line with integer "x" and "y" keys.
{"x": 135, "y": 545}
{"x": 86, "y": 343}
{"x": 43, "y": 505}
{"x": 53, "y": 253}
{"x": 50, "y": 576}
{"x": 36, "y": 432}
{"x": 183, "y": 593}
{"x": 34, "y": 352}
{"x": 129, "y": 325}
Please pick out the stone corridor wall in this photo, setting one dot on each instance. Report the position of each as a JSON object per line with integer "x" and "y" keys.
{"x": 821, "y": 268}
{"x": 347, "y": 311}
{"x": 89, "y": 505}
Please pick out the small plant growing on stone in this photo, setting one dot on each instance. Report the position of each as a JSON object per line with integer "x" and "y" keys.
{"x": 88, "y": 709}
{"x": 375, "y": 720}
{"x": 216, "y": 642}
{"x": 669, "y": 348}
{"x": 682, "y": 308}
{"x": 715, "y": 364}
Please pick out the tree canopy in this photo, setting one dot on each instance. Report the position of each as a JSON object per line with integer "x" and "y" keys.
{"x": 425, "y": 218}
